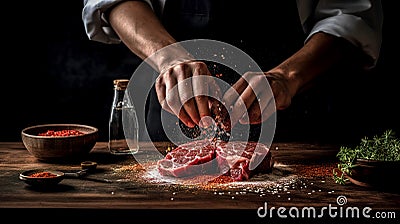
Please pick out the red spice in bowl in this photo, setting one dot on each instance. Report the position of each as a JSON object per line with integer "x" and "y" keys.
{"x": 42, "y": 178}
{"x": 59, "y": 142}
{"x": 43, "y": 174}
{"x": 65, "y": 132}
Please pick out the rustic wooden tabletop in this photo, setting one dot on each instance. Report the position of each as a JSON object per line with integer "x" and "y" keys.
{"x": 301, "y": 180}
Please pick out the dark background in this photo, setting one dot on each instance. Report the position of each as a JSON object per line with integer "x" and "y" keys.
{"x": 52, "y": 73}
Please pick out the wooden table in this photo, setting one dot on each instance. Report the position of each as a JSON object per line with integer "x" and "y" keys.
{"x": 130, "y": 196}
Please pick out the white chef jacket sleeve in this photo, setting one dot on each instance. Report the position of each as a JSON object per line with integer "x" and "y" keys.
{"x": 96, "y": 22}
{"x": 358, "y": 21}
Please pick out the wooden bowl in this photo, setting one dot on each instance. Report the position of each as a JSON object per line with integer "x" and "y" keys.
{"x": 376, "y": 174}
{"x": 59, "y": 148}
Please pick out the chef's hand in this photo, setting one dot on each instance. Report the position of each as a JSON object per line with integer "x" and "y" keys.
{"x": 184, "y": 88}
{"x": 251, "y": 101}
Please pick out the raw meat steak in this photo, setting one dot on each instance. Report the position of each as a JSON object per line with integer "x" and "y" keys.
{"x": 239, "y": 160}
{"x": 189, "y": 159}
{"x": 243, "y": 159}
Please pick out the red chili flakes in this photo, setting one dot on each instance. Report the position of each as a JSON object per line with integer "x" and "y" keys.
{"x": 217, "y": 182}
{"x": 66, "y": 132}
{"x": 316, "y": 170}
{"x": 44, "y": 174}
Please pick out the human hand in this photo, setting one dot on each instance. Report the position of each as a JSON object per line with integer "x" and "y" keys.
{"x": 184, "y": 89}
{"x": 256, "y": 96}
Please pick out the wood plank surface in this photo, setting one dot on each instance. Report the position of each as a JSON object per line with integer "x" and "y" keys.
{"x": 301, "y": 178}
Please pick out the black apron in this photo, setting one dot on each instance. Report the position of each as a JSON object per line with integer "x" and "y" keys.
{"x": 269, "y": 31}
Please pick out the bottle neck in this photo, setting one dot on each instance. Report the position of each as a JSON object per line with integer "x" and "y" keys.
{"x": 118, "y": 97}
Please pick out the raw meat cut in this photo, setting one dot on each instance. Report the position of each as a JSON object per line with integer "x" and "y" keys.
{"x": 189, "y": 159}
{"x": 239, "y": 160}
{"x": 243, "y": 159}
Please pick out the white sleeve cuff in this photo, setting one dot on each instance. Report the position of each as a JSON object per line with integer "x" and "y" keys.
{"x": 353, "y": 29}
{"x": 96, "y": 24}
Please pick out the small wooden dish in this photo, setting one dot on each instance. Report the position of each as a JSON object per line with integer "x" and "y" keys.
{"x": 376, "y": 174}
{"x": 52, "y": 178}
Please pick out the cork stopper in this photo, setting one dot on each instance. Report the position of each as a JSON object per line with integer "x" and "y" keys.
{"x": 121, "y": 84}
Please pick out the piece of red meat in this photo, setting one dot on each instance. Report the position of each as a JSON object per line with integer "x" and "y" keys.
{"x": 239, "y": 160}
{"x": 189, "y": 159}
{"x": 243, "y": 159}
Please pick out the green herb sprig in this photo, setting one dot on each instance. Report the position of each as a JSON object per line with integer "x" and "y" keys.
{"x": 384, "y": 147}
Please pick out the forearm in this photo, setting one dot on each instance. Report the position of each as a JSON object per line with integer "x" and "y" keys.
{"x": 141, "y": 31}
{"x": 321, "y": 52}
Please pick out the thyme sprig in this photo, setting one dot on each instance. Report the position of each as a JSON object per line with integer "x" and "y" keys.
{"x": 384, "y": 147}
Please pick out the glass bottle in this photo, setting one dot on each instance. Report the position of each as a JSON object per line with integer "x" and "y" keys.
{"x": 123, "y": 123}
